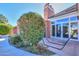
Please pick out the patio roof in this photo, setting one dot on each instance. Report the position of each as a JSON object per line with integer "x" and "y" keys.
{"x": 66, "y": 11}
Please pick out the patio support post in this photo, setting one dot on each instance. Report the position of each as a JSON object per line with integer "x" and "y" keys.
{"x": 61, "y": 31}
{"x": 78, "y": 19}
{"x": 69, "y": 30}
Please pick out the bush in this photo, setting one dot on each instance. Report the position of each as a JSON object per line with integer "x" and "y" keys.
{"x": 36, "y": 49}
{"x": 16, "y": 41}
{"x": 31, "y": 27}
{"x": 4, "y": 29}
{"x": 39, "y": 50}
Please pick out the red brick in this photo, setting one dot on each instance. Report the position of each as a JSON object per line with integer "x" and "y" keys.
{"x": 48, "y": 11}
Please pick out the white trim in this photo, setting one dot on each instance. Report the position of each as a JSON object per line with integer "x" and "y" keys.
{"x": 69, "y": 28}
{"x": 61, "y": 30}
{"x": 51, "y": 30}
{"x": 55, "y": 29}
{"x": 78, "y": 29}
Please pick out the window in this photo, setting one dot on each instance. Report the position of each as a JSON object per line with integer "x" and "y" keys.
{"x": 74, "y": 18}
{"x": 74, "y": 30}
{"x": 65, "y": 30}
{"x": 53, "y": 30}
{"x": 64, "y": 20}
{"x": 58, "y": 30}
{"x": 52, "y": 22}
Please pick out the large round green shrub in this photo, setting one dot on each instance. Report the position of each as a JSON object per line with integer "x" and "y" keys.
{"x": 31, "y": 27}
{"x": 4, "y": 29}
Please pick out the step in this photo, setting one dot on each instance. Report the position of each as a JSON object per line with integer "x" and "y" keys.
{"x": 58, "y": 52}
{"x": 52, "y": 45}
{"x": 55, "y": 41}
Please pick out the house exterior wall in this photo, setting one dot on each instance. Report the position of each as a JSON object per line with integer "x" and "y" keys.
{"x": 48, "y": 11}
{"x": 49, "y": 17}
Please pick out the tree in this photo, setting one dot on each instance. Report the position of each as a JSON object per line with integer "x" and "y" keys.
{"x": 31, "y": 27}
{"x": 3, "y": 19}
{"x": 4, "y": 29}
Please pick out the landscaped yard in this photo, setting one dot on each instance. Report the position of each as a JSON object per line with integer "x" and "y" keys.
{"x": 35, "y": 49}
{"x": 38, "y": 50}
{"x": 31, "y": 28}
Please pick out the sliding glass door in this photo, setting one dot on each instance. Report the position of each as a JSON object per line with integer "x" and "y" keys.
{"x": 53, "y": 30}
{"x": 58, "y": 30}
{"x": 74, "y": 30}
{"x": 65, "y": 30}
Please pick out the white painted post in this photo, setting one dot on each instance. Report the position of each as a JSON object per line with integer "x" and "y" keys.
{"x": 78, "y": 29}
{"x": 78, "y": 20}
{"x": 55, "y": 30}
{"x": 51, "y": 31}
{"x": 69, "y": 28}
{"x": 61, "y": 31}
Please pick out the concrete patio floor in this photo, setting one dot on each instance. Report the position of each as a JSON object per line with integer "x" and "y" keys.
{"x": 71, "y": 49}
{"x": 7, "y": 50}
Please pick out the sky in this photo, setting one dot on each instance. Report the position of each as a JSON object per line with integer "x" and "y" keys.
{"x": 13, "y": 11}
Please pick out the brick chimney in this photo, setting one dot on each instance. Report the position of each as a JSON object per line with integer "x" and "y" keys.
{"x": 48, "y": 12}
